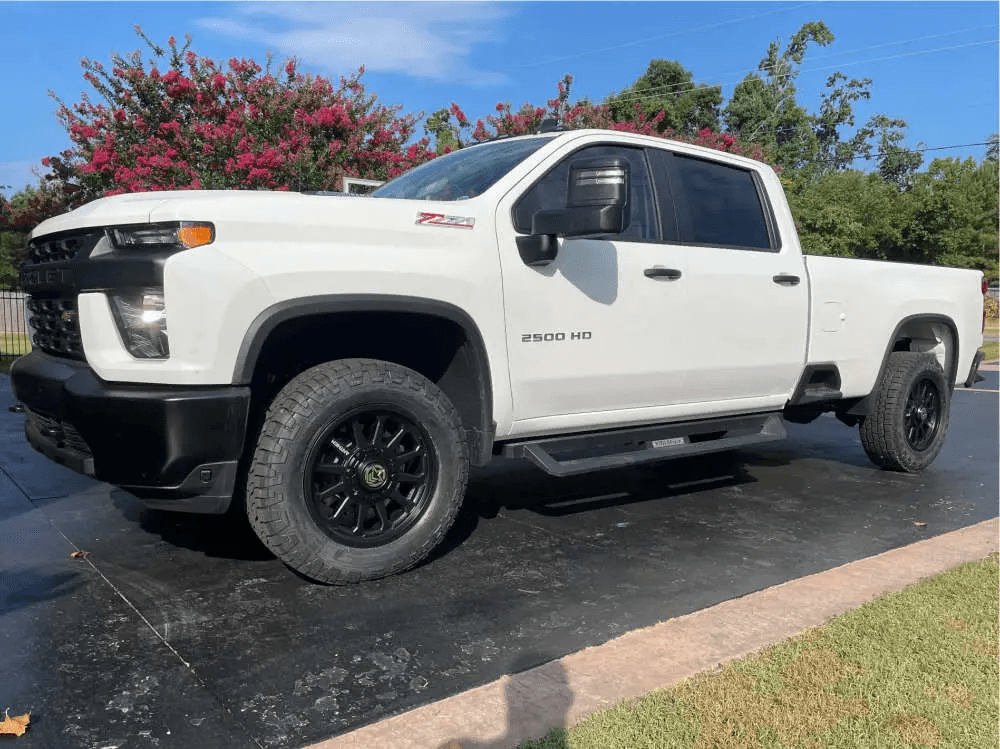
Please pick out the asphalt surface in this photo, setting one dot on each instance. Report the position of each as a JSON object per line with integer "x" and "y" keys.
{"x": 180, "y": 631}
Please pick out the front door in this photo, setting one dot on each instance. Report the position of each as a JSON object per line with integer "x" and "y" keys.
{"x": 603, "y": 327}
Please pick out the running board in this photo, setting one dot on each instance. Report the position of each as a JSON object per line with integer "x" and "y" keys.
{"x": 581, "y": 453}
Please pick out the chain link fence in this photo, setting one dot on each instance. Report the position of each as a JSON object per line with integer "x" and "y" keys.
{"x": 14, "y": 340}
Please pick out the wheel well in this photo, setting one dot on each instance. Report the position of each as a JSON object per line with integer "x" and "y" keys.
{"x": 934, "y": 334}
{"x": 436, "y": 347}
{"x": 930, "y": 336}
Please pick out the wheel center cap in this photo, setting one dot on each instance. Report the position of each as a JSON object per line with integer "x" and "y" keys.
{"x": 374, "y": 476}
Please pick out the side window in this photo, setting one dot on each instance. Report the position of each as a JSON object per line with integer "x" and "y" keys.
{"x": 550, "y": 193}
{"x": 717, "y": 204}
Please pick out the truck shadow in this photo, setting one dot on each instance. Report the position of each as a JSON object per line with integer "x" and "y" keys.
{"x": 227, "y": 536}
{"x": 511, "y": 486}
{"x": 505, "y": 486}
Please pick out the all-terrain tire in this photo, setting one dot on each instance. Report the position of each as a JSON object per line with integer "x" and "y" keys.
{"x": 906, "y": 428}
{"x": 359, "y": 471}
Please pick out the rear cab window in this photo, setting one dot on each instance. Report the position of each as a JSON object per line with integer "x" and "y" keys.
{"x": 713, "y": 203}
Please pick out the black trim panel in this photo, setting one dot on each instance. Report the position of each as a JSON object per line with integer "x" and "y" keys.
{"x": 135, "y": 436}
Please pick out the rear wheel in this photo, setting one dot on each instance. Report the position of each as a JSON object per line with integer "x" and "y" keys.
{"x": 359, "y": 471}
{"x": 907, "y": 426}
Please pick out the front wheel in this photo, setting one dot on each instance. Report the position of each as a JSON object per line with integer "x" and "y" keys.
{"x": 359, "y": 471}
{"x": 907, "y": 426}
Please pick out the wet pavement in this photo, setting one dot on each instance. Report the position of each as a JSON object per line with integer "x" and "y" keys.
{"x": 181, "y": 631}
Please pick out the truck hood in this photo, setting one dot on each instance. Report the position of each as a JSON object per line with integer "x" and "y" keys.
{"x": 254, "y": 208}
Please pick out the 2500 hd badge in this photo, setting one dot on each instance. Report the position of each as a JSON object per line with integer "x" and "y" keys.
{"x": 576, "y": 335}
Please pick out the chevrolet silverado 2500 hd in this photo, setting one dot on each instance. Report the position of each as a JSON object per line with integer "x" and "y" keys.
{"x": 582, "y": 299}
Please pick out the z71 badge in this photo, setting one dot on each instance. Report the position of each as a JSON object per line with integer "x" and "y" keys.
{"x": 439, "y": 219}
{"x": 576, "y": 335}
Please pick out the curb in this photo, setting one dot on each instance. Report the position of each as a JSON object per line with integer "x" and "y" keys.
{"x": 527, "y": 705}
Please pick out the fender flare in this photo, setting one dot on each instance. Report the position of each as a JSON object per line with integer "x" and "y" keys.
{"x": 862, "y": 407}
{"x": 271, "y": 317}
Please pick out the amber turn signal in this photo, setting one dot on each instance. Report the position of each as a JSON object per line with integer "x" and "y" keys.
{"x": 195, "y": 235}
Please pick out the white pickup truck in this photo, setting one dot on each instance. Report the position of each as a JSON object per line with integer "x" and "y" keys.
{"x": 584, "y": 299}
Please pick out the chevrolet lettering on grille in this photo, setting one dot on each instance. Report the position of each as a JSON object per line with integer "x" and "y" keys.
{"x": 33, "y": 279}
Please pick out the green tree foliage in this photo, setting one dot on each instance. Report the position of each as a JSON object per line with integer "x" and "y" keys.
{"x": 667, "y": 87}
{"x": 947, "y": 216}
{"x": 955, "y": 214}
{"x": 13, "y": 236}
{"x": 808, "y": 145}
{"x": 764, "y": 106}
{"x": 849, "y": 214}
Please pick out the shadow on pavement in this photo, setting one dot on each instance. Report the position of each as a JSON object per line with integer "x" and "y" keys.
{"x": 538, "y": 700}
{"x": 511, "y": 487}
{"x": 227, "y": 536}
{"x": 22, "y": 588}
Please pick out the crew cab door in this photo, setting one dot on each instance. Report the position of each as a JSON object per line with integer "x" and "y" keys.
{"x": 746, "y": 293}
{"x": 600, "y": 328}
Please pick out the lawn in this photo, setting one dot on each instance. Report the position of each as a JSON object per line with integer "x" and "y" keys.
{"x": 12, "y": 345}
{"x": 914, "y": 668}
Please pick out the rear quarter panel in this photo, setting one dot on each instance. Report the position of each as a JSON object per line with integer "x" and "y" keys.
{"x": 856, "y": 305}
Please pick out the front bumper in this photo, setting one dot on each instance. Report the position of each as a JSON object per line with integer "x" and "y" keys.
{"x": 175, "y": 447}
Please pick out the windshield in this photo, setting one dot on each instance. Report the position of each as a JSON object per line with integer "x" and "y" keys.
{"x": 462, "y": 174}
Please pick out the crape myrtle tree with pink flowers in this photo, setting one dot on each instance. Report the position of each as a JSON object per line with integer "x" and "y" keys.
{"x": 182, "y": 121}
{"x": 452, "y": 129}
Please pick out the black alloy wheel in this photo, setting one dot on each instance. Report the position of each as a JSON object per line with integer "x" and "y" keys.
{"x": 922, "y": 414}
{"x": 370, "y": 477}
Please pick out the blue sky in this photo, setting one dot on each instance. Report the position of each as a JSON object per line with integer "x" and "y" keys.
{"x": 933, "y": 64}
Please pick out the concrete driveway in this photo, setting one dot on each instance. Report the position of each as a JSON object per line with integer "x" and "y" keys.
{"x": 183, "y": 631}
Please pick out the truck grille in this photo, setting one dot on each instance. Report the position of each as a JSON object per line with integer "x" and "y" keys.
{"x": 48, "y": 277}
{"x": 56, "y": 325}
{"x": 62, "y": 248}
{"x": 64, "y": 435}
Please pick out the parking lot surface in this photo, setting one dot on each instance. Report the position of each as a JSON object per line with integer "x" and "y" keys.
{"x": 179, "y": 630}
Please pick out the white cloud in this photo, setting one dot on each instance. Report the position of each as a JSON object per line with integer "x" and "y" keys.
{"x": 423, "y": 40}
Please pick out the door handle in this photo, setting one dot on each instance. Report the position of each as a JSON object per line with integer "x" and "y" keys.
{"x": 786, "y": 279}
{"x": 671, "y": 274}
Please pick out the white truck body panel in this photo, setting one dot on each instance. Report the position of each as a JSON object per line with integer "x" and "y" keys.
{"x": 857, "y": 304}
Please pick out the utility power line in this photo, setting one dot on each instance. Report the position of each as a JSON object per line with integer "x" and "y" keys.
{"x": 696, "y": 87}
{"x": 637, "y": 42}
{"x": 860, "y": 155}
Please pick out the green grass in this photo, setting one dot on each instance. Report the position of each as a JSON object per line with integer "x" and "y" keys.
{"x": 915, "y": 668}
{"x": 12, "y": 345}
{"x": 991, "y": 349}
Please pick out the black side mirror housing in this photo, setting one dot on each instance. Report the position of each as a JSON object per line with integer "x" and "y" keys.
{"x": 596, "y": 203}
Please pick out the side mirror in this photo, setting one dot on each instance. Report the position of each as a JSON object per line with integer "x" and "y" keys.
{"x": 596, "y": 203}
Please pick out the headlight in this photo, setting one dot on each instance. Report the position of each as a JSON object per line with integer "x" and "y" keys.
{"x": 176, "y": 235}
{"x": 141, "y": 315}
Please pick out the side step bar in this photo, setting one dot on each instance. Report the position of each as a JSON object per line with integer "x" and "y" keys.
{"x": 568, "y": 455}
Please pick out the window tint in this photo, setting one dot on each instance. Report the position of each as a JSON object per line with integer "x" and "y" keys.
{"x": 550, "y": 193}
{"x": 717, "y": 204}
